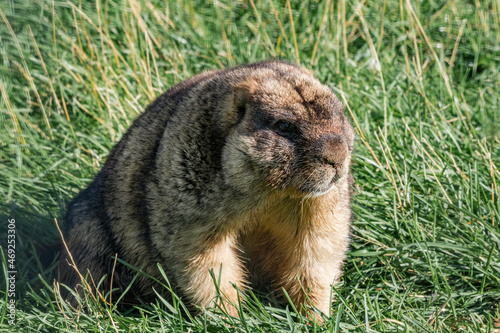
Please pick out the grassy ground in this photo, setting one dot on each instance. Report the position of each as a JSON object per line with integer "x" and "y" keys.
{"x": 420, "y": 80}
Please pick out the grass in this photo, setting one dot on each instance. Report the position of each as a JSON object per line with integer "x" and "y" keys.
{"x": 420, "y": 81}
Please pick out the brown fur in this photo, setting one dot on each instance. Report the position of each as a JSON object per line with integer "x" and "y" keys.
{"x": 209, "y": 175}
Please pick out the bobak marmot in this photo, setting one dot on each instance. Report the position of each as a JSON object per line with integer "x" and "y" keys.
{"x": 243, "y": 171}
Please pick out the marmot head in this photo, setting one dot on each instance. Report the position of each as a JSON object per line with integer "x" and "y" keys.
{"x": 290, "y": 133}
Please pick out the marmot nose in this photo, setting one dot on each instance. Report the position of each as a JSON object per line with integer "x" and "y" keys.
{"x": 331, "y": 149}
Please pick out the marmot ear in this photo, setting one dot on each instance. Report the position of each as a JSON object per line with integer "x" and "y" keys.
{"x": 241, "y": 95}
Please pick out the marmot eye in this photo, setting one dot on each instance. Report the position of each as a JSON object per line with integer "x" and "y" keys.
{"x": 284, "y": 126}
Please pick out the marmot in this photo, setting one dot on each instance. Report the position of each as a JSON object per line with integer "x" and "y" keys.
{"x": 243, "y": 171}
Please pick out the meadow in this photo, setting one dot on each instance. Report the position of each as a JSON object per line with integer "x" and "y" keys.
{"x": 420, "y": 81}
